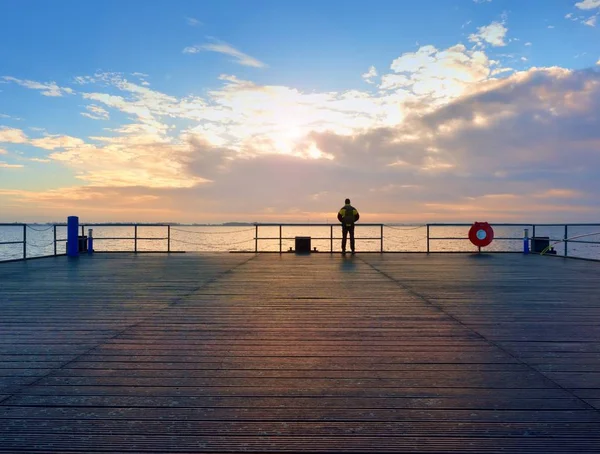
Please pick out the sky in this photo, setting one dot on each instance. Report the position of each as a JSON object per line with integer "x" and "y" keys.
{"x": 276, "y": 111}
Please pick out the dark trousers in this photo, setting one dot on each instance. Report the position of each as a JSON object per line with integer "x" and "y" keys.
{"x": 345, "y": 230}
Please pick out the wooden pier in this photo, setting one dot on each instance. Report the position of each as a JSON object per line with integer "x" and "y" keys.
{"x": 282, "y": 353}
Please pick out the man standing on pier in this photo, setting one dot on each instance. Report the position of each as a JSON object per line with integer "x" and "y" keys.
{"x": 348, "y": 215}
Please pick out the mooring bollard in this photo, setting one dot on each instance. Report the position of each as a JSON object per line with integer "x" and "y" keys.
{"x": 526, "y": 242}
{"x": 90, "y": 241}
{"x": 73, "y": 236}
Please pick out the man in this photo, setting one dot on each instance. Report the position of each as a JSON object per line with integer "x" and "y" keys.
{"x": 348, "y": 215}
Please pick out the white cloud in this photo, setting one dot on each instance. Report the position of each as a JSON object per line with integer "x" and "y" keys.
{"x": 226, "y": 49}
{"x": 370, "y": 75}
{"x": 52, "y": 142}
{"x": 43, "y": 160}
{"x": 3, "y": 151}
{"x": 588, "y": 4}
{"x": 591, "y": 22}
{"x": 4, "y": 165}
{"x": 96, "y": 112}
{"x": 598, "y": 62}
{"x": 47, "y": 89}
{"x": 9, "y": 117}
{"x": 493, "y": 34}
{"x": 551, "y": 26}
{"x": 528, "y": 44}
{"x": 193, "y": 21}
{"x": 438, "y": 76}
{"x": 12, "y": 135}
{"x": 482, "y": 1}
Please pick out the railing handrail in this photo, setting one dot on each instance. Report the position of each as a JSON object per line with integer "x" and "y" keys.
{"x": 309, "y": 224}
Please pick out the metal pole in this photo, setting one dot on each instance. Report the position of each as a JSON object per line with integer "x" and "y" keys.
{"x": 24, "y": 241}
{"x": 428, "y": 238}
{"x": 381, "y": 237}
{"x": 256, "y": 238}
{"x": 331, "y": 237}
{"x": 280, "y": 238}
{"x": 135, "y": 238}
{"x": 82, "y": 231}
{"x": 54, "y": 239}
{"x": 533, "y": 231}
{"x": 168, "y": 238}
{"x": 565, "y": 239}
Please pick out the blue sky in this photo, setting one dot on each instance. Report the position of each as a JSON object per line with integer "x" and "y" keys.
{"x": 171, "y": 105}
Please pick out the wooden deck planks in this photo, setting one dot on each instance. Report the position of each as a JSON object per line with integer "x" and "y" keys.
{"x": 319, "y": 353}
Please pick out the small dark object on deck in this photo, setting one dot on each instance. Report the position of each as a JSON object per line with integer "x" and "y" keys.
{"x": 82, "y": 243}
{"x": 539, "y": 243}
{"x": 302, "y": 245}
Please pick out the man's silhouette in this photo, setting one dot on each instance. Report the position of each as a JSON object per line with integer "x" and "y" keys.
{"x": 348, "y": 215}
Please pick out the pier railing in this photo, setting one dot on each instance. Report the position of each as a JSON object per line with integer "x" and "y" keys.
{"x": 330, "y": 238}
{"x": 24, "y": 241}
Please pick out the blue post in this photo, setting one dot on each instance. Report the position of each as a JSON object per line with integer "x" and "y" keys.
{"x": 90, "y": 242}
{"x": 526, "y": 242}
{"x": 73, "y": 236}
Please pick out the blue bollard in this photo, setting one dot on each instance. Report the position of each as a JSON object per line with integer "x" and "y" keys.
{"x": 73, "y": 236}
{"x": 526, "y": 242}
{"x": 90, "y": 242}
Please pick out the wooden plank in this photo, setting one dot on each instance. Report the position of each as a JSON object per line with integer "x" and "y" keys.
{"x": 63, "y": 442}
{"x": 320, "y": 414}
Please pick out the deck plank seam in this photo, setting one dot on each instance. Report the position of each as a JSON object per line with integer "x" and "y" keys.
{"x": 489, "y": 341}
{"x": 120, "y": 333}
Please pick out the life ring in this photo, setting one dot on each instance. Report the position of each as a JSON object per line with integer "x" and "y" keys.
{"x": 481, "y": 234}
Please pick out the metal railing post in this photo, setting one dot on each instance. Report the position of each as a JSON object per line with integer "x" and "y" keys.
{"x": 135, "y": 238}
{"x": 256, "y": 238}
{"x": 54, "y": 239}
{"x": 168, "y": 238}
{"x": 533, "y": 231}
{"x": 331, "y": 238}
{"x": 280, "y": 245}
{"x": 428, "y": 238}
{"x": 381, "y": 237}
{"x": 565, "y": 238}
{"x": 24, "y": 241}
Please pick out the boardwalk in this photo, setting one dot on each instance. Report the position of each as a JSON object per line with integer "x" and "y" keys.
{"x": 268, "y": 353}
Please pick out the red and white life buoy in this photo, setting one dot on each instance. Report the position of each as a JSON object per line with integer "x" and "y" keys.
{"x": 481, "y": 234}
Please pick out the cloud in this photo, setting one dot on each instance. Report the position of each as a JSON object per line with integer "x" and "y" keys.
{"x": 47, "y": 89}
{"x": 3, "y": 151}
{"x": 96, "y": 112}
{"x": 226, "y": 49}
{"x": 9, "y": 117}
{"x": 591, "y": 22}
{"x": 135, "y": 157}
{"x": 437, "y": 76}
{"x": 12, "y": 135}
{"x": 444, "y": 131}
{"x": 193, "y": 22}
{"x": 4, "y": 165}
{"x": 482, "y": 1}
{"x": 493, "y": 34}
{"x": 53, "y": 142}
{"x": 370, "y": 75}
{"x": 43, "y": 160}
{"x": 588, "y": 4}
